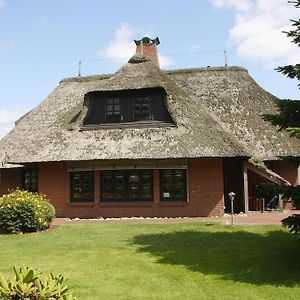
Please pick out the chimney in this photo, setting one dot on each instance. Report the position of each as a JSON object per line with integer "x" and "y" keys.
{"x": 147, "y": 47}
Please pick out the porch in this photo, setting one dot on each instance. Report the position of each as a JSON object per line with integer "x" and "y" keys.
{"x": 249, "y": 181}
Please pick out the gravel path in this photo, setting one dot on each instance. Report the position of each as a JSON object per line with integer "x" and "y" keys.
{"x": 250, "y": 218}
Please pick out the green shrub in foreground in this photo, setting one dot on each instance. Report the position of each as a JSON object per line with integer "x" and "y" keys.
{"x": 23, "y": 211}
{"x": 31, "y": 284}
{"x": 292, "y": 223}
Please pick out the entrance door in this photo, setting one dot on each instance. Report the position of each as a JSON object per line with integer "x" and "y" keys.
{"x": 233, "y": 182}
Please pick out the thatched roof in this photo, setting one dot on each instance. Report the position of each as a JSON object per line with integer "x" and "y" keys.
{"x": 217, "y": 113}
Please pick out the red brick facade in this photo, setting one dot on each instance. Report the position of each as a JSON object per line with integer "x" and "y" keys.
{"x": 205, "y": 191}
{"x": 204, "y": 187}
{"x": 289, "y": 172}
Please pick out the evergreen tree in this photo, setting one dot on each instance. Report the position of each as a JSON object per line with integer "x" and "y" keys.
{"x": 289, "y": 118}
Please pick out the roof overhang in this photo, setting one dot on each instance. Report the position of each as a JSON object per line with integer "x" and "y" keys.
{"x": 266, "y": 173}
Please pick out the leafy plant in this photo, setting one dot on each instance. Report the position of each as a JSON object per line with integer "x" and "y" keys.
{"x": 292, "y": 223}
{"x": 31, "y": 284}
{"x": 257, "y": 161}
{"x": 23, "y": 211}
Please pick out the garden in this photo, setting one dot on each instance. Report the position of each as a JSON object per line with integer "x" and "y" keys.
{"x": 162, "y": 261}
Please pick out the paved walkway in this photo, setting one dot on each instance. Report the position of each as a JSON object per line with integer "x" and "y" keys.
{"x": 253, "y": 218}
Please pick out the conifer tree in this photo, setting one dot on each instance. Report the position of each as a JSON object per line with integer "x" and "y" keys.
{"x": 289, "y": 118}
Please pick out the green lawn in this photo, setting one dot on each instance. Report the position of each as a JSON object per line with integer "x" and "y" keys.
{"x": 173, "y": 261}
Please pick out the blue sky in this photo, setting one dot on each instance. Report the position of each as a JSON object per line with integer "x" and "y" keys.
{"x": 41, "y": 42}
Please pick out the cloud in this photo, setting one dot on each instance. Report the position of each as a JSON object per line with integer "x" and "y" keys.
{"x": 8, "y": 118}
{"x": 257, "y": 31}
{"x": 240, "y": 5}
{"x": 164, "y": 61}
{"x": 122, "y": 47}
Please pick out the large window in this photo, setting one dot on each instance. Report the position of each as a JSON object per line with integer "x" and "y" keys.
{"x": 173, "y": 185}
{"x": 126, "y": 185}
{"x": 82, "y": 186}
{"x": 30, "y": 180}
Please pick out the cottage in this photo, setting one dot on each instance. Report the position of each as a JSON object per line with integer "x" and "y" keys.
{"x": 148, "y": 142}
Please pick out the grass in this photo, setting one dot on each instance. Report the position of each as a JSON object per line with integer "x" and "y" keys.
{"x": 170, "y": 261}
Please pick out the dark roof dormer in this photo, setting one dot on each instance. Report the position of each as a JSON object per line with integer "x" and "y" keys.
{"x": 138, "y": 108}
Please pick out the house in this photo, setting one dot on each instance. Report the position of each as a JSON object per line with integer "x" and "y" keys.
{"x": 148, "y": 142}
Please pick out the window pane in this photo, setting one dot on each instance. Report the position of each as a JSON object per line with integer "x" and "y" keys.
{"x": 173, "y": 185}
{"x": 112, "y": 185}
{"x": 82, "y": 186}
{"x": 126, "y": 185}
{"x": 109, "y": 107}
{"x": 30, "y": 180}
{"x": 113, "y": 110}
{"x": 142, "y": 109}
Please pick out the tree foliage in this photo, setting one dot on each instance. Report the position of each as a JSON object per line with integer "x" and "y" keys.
{"x": 288, "y": 118}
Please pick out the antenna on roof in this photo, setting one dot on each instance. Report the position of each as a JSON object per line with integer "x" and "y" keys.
{"x": 79, "y": 68}
{"x": 225, "y": 58}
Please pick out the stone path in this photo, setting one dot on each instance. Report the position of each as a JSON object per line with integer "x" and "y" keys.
{"x": 253, "y": 218}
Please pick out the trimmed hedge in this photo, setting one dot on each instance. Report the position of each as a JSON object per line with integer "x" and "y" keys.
{"x": 23, "y": 211}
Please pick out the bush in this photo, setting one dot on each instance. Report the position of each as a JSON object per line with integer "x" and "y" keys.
{"x": 292, "y": 223}
{"x": 23, "y": 211}
{"x": 31, "y": 284}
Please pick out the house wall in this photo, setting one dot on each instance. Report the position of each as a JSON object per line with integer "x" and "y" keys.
{"x": 10, "y": 179}
{"x": 289, "y": 172}
{"x": 205, "y": 193}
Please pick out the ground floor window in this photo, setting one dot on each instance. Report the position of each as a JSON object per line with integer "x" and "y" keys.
{"x": 30, "y": 180}
{"x": 127, "y": 185}
{"x": 173, "y": 185}
{"x": 82, "y": 186}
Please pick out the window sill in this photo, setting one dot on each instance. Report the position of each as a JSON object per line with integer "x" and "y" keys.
{"x": 141, "y": 203}
{"x": 137, "y": 124}
{"x": 81, "y": 203}
{"x": 173, "y": 203}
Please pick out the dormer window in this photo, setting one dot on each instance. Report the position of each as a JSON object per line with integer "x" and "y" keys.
{"x": 142, "y": 108}
{"x": 112, "y": 110}
{"x": 127, "y": 108}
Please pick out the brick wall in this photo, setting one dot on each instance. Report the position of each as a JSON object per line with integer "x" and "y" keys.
{"x": 53, "y": 182}
{"x": 289, "y": 172}
{"x": 205, "y": 194}
{"x": 10, "y": 179}
{"x": 206, "y": 189}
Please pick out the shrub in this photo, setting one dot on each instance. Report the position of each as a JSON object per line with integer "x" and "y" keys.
{"x": 31, "y": 284}
{"x": 23, "y": 211}
{"x": 292, "y": 223}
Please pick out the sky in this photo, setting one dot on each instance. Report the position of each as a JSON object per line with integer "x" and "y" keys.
{"x": 42, "y": 42}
